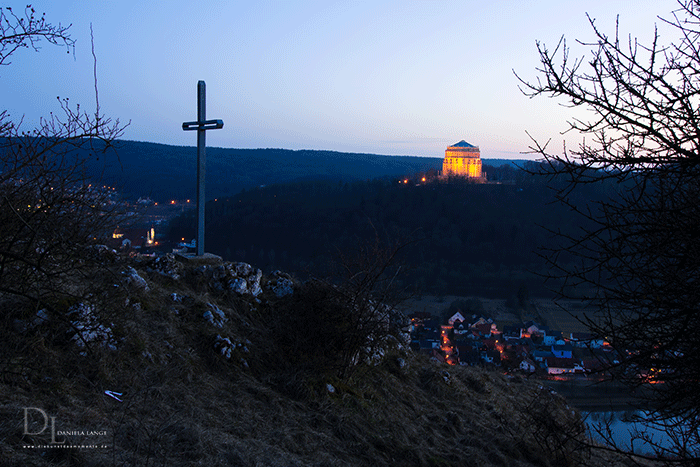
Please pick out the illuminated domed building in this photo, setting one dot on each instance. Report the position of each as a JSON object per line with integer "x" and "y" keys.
{"x": 462, "y": 160}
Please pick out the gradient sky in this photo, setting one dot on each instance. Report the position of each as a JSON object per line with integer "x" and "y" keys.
{"x": 386, "y": 77}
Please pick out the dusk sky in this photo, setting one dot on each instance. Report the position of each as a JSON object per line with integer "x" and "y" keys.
{"x": 385, "y": 77}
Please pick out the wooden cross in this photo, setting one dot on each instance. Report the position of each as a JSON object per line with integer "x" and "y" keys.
{"x": 201, "y": 125}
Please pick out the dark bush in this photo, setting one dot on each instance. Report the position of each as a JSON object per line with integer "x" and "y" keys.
{"x": 324, "y": 329}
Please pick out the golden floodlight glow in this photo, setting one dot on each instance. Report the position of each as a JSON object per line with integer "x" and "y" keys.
{"x": 463, "y": 160}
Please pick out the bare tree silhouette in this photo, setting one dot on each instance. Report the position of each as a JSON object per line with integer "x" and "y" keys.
{"x": 50, "y": 214}
{"x": 641, "y": 254}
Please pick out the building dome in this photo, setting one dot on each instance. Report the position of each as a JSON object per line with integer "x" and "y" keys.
{"x": 463, "y": 160}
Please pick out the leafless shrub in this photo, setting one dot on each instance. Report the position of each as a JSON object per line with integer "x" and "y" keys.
{"x": 334, "y": 328}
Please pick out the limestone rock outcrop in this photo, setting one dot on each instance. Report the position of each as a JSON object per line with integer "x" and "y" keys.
{"x": 240, "y": 278}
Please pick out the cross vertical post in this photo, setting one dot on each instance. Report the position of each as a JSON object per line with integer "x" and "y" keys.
{"x": 201, "y": 125}
{"x": 201, "y": 164}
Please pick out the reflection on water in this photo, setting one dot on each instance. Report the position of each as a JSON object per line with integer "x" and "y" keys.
{"x": 627, "y": 431}
{"x": 614, "y": 405}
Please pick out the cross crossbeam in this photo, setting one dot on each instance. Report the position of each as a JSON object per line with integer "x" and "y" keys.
{"x": 208, "y": 125}
{"x": 201, "y": 125}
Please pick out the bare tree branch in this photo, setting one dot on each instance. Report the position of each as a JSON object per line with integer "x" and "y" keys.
{"x": 639, "y": 256}
{"x": 49, "y": 212}
{"x": 28, "y": 30}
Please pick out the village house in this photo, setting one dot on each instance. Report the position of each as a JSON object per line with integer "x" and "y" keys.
{"x": 562, "y": 351}
{"x": 476, "y": 340}
{"x": 456, "y": 317}
{"x": 457, "y": 321}
{"x": 551, "y": 338}
{"x": 520, "y": 346}
{"x": 511, "y": 332}
{"x": 425, "y": 345}
{"x": 491, "y": 356}
{"x": 581, "y": 339}
{"x": 561, "y": 366}
{"x": 417, "y": 319}
{"x": 542, "y": 355}
{"x": 425, "y": 336}
{"x": 531, "y": 328}
{"x": 594, "y": 365}
{"x": 431, "y": 325}
{"x": 467, "y": 352}
{"x": 483, "y": 327}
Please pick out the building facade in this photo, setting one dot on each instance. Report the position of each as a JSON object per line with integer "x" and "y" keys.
{"x": 463, "y": 160}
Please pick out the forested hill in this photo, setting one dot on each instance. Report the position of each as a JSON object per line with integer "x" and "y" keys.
{"x": 469, "y": 239}
{"x": 169, "y": 172}
{"x": 165, "y": 172}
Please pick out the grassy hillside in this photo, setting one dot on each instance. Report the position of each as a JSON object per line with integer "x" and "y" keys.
{"x": 205, "y": 377}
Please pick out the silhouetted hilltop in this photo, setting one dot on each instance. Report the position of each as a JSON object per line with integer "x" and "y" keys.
{"x": 164, "y": 172}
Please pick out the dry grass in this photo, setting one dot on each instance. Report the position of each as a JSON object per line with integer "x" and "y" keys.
{"x": 185, "y": 404}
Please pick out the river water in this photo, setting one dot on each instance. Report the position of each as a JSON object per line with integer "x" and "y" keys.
{"x": 625, "y": 430}
{"x": 614, "y": 405}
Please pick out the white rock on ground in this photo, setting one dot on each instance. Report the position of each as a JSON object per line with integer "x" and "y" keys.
{"x": 215, "y": 315}
{"x": 135, "y": 280}
{"x": 224, "y": 346}
{"x": 88, "y": 328}
{"x": 241, "y": 278}
{"x": 168, "y": 266}
{"x": 281, "y": 284}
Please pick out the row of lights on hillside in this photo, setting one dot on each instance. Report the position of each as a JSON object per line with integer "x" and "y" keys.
{"x": 172, "y": 202}
{"x": 405, "y": 180}
{"x": 175, "y": 202}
